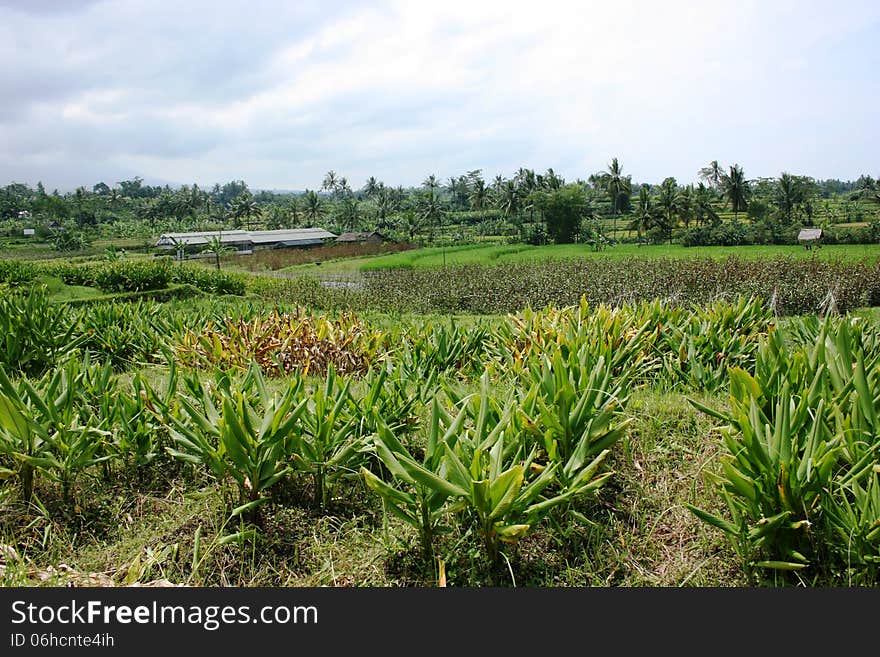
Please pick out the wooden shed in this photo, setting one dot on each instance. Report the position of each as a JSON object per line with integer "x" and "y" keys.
{"x": 371, "y": 237}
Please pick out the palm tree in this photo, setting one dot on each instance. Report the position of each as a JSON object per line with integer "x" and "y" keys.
{"x": 431, "y": 209}
{"x": 498, "y": 183}
{"x": 867, "y": 188}
{"x": 349, "y": 213}
{"x": 179, "y": 247}
{"x": 554, "y": 182}
{"x": 735, "y": 188}
{"x": 385, "y": 206}
{"x": 313, "y": 207}
{"x": 244, "y": 208}
{"x": 293, "y": 211}
{"x": 616, "y": 185}
{"x": 509, "y": 200}
{"x": 431, "y": 183}
{"x": 702, "y": 207}
{"x": 331, "y": 182}
{"x": 454, "y": 187}
{"x": 712, "y": 174}
{"x": 686, "y": 206}
{"x": 645, "y": 214}
{"x": 411, "y": 223}
{"x": 217, "y": 213}
{"x": 276, "y": 217}
{"x": 788, "y": 194}
{"x": 216, "y": 247}
{"x": 479, "y": 195}
{"x": 371, "y": 187}
{"x": 669, "y": 201}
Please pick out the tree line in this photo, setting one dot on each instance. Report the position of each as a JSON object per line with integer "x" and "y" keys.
{"x": 725, "y": 206}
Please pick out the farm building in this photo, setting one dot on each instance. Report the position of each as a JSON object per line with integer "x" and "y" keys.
{"x": 371, "y": 237}
{"x": 246, "y": 241}
{"x": 810, "y": 237}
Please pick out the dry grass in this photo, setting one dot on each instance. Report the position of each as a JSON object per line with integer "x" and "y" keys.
{"x": 275, "y": 259}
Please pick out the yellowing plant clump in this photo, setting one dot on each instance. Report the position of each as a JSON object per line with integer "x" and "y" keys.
{"x": 282, "y": 343}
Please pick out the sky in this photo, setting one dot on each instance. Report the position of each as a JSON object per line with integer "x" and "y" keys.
{"x": 278, "y": 93}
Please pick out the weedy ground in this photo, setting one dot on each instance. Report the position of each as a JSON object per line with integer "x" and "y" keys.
{"x": 637, "y": 532}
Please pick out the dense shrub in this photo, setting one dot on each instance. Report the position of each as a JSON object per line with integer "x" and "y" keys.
{"x": 165, "y": 294}
{"x": 35, "y": 333}
{"x": 209, "y": 280}
{"x": 143, "y": 275}
{"x": 74, "y": 274}
{"x": 15, "y": 272}
{"x": 772, "y": 232}
{"x": 135, "y": 276}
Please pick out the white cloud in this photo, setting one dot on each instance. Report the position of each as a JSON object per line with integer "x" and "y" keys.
{"x": 278, "y": 95}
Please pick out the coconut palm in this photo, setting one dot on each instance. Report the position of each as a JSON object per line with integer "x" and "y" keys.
{"x": 788, "y": 194}
{"x": 712, "y": 174}
{"x": 552, "y": 182}
{"x": 458, "y": 191}
{"x": 431, "y": 209}
{"x": 736, "y": 190}
{"x": 331, "y": 182}
{"x": 479, "y": 195}
{"x": 687, "y": 211}
{"x": 702, "y": 207}
{"x": 293, "y": 211}
{"x": 669, "y": 201}
{"x": 217, "y": 248}
{"x": 645, "y": 215}
{"x": 313, "y": 208}
{"x": 385, "y": 207}
{"x": 431, "y": 183}
{"x": 410, "y": 223}
{"x": 452, "y": 187}
{"x": 244, "y": 208}
{"x": 349, "y": 216}
{"x": 509, "y": 200}
{"x": 371, "y": 188}
{"x": 616, "y": 185}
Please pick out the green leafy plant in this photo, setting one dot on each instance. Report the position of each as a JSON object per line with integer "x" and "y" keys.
{"x": 389, "y": 397}
{"x": 773, "y": 475}
{"x": 502, "y": 487}
{"x": 132, "y": 276}
{"x": 35, "y": 334}
{"x": 573, "y": 404}
{"x": 48, "y": 422}
{"x": 801, "y": 443}
{"x": 21, "y": 438}
{"x": 419, "y": 488}
{"x": 326, "y": 446}
{"x": 243, "y": 440}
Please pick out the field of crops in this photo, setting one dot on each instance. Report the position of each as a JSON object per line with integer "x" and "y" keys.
{"x": 244, "y": 436}
{"x": 488, "y": 254}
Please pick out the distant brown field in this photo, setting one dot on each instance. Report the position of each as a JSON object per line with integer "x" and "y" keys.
{"x": 274, "y": 259}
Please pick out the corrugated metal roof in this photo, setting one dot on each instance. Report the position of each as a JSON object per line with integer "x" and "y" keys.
{"x": 287, "y": 235}
{"x": 305, "y": 242}
{"x": 200, "y": 238}
{"x": 357, "y": 237}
